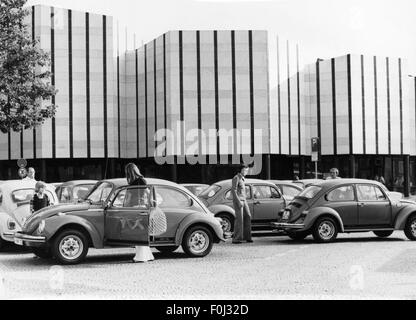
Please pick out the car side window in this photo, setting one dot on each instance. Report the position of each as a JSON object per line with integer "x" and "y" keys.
{"x": 229, "y": 195}
{"x": 172, "y": 198}
{"x": 344, "y": 193}
{"x": 133, "y": 198}
{"x": 65, "y": 194}
{"x": 370, "y": 193}
{"x": 119, "y": 199}
{"x": 265, "y": 192}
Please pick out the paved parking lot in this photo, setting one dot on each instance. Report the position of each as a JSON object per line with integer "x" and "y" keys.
{"x": 355, "y": 266}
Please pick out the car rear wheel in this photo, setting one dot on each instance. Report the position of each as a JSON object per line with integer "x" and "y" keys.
{"x": 325, "y": 230}
{"x": 169, "y": 249}
{"x": 228, "y": 222}
{"x": 43, "y": 253}
{"x": 297, "y": 236}
{"x": 197, "y": 242}
{"x": 410, "y": 228}
{"x": 70, "y": 247}
{"x": 383, "y": 234}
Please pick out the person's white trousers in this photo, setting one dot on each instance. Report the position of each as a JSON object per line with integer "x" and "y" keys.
{"x": 143, "y": 254}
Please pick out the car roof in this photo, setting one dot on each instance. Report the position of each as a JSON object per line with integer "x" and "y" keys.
{"x": 286, "y": 182}
{"x": 226, "y": 183}
{"x": 336, "y": 182}
{"x": 11, "y": 185}
{"x": 121, "y": 182}
{"x": 78, "y": 182}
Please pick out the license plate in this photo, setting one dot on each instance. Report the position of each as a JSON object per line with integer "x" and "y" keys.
{"x": 18, "y": 242}
{"x": 286, "y": 215}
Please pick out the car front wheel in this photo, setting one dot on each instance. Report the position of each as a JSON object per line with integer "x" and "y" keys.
{"x": 410, "y": 228}
{"x": 70, "y": 247}
{"x": 197, "y": 242}
{"x": 325, "y": 230}
{"x": 228, "y": 222}
{"x": 383, "y": 234}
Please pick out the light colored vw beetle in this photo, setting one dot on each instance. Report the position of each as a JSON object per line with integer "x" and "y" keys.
{"x": 15, "y": 196}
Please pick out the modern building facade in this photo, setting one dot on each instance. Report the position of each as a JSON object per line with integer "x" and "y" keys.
{"x": 206, "y": 94}
{"x": 362, "y": 108}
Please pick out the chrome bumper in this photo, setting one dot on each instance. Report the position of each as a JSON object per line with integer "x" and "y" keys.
{"x": 8, "y": 236}
{"x": 281, "y": 225}
{"x": 24, "y": 239}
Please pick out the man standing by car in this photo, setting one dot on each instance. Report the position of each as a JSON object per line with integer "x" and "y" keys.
{"x": 242, "y": 223}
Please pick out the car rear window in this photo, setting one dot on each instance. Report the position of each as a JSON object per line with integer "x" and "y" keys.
{"x": 310, "y": 192}
{"x": 210, "y": 192}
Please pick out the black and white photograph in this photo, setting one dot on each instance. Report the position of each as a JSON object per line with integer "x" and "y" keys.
{"x": 207, "y": 150}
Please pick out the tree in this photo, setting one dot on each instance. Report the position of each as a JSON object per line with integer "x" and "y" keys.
{"x": 24, "y": 72}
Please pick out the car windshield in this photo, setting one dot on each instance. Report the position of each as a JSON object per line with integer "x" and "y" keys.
{"x": 310, "y": 192}
{"x": 210, "y": 192}
{"x": 100, "y": 192}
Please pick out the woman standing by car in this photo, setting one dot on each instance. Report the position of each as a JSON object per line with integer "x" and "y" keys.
{"x": 40, "y": 200}
{"x": 135, "y": 178}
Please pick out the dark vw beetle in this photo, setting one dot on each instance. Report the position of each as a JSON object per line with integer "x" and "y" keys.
{"x": 345, "y": 206}
{"x": 117, "y": 215}
{"x": 264, "y": 200}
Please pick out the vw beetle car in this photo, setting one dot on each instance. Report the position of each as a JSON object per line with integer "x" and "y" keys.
{"x": 263, "y": 197}
{"x": 117, "y": 215}
{"x": 74, "y": 191}
{"x": 346, "y": 206}
{"x": 15, "y": 196}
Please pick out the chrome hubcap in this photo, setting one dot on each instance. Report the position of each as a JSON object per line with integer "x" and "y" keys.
{"x": 326, "y": 230}
{"x": 227, "y": 224}
{"x": 198, "y": 241}
{"x": 71, "y": 247}
{"x": 413, "y": 228}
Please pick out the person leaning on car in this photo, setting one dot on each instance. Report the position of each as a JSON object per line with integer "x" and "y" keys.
{"x": 242, "y": 223}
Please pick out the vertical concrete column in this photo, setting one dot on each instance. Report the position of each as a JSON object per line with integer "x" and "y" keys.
{"x": 174, "y": 171}
{"x": 302, "y": 167}
{"x": 406, "y": 161}
{"x": 352, "y": 166}
{"x": 268, "y": 173}
{"x": 43, "y": 170}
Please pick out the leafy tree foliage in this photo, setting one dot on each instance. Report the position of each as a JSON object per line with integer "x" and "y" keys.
{"x": 25, "y": 89}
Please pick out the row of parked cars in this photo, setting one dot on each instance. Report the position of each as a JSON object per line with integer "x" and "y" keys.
{"x": 101, "y": 214}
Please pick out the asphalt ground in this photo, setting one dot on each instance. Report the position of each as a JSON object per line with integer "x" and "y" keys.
{"x": 357, "y": 266}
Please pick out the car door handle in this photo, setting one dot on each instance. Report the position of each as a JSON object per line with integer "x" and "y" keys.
{"x": 257, "y": 203}
{"x": 361, "y": 205}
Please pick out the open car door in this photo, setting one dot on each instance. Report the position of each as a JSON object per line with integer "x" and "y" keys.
{"x": 127, "y": 216}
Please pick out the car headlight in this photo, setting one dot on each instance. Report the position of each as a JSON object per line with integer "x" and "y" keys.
{"x": 11, "y": 224}
{"x": 41, "y": 226}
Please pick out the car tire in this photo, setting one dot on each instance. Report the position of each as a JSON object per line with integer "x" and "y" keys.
{"x": 169, "y": 249}
{"x": 229, "y": 221}
{"x": 70, "y": 247}
{"x": 325, "y": 230}
{"x": 383, "y": 234}
{"x": 43, "y": 253}
{"x": 410, "y": 228}
{"x": 197, "y": 242}
{"x": 297, "y": 236}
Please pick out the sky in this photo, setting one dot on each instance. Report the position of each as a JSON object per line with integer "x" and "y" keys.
{"x": 321, "y": 28}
